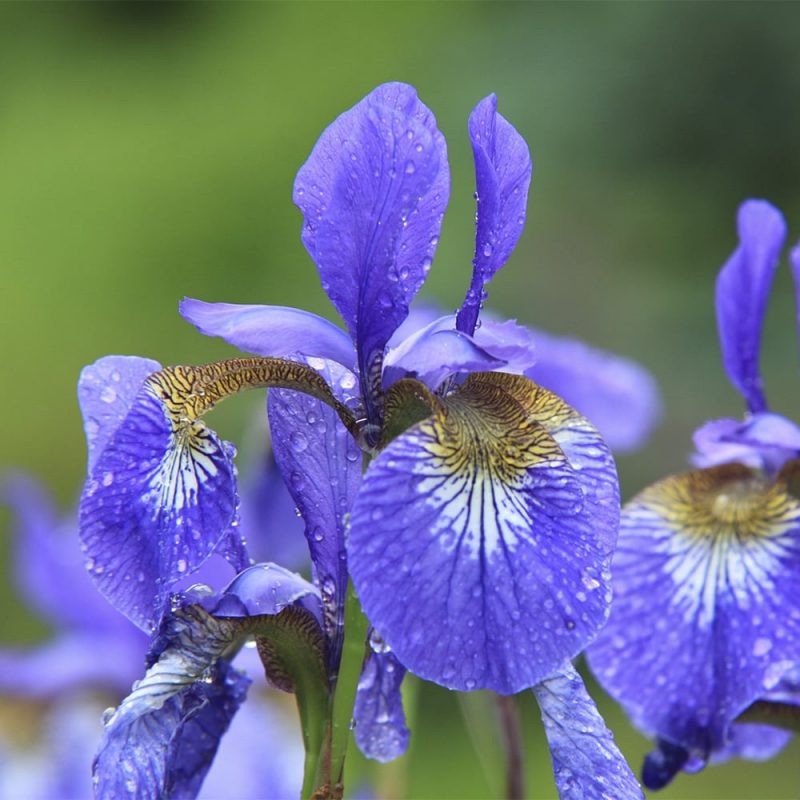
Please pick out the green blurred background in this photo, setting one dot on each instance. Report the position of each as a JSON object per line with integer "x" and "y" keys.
{"x": 148, "y": 151}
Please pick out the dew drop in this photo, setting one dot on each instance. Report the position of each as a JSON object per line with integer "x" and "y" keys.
{"x": 298, "y": 441}
{"x": 589, "y": 582}
{"x": 181, "y": 566}
{"x": 410, "y": 168}
{"x": 762, "y": 646}
{"x": 108, "y": 395}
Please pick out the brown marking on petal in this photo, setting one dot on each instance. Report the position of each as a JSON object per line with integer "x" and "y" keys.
{"x": 188, "y": 392}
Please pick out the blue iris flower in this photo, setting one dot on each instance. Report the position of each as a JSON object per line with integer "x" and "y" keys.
{"x": 478, "y": 538}
{"x": 705, "y": 619}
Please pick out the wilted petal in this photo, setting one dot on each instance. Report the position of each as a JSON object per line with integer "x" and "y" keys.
{"x": 743, "y": 286}
{"x": 165, "y": 750}
{"x": 321, "y": 464}
{"x": 617, "y": 395}
{"x": 372, "y": 194}
{"x": 380, "y": 731}
{"x": 706, "y": 568}
{"x": 502, "y": 176}
{"x": 587, "y": 763}
{"x": 480, "y": 538}
{"x": 161, "y": 740}
{"x": 106, "y": 391}
{"x": 275, "y": 331}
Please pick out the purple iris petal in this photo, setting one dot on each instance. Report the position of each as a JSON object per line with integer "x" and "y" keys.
{"x": 502, "y": 176}
{"x": 273, "y": 331}
{"x": 373, "y": 193}
{"x": 381, "y": 731}
{"x": 162, "y": 743}
{"x": 261, "y": 755}
{"x": 763, "y": 441}
{"x": 157, "y": 503}
{"x": 268, "y": 516}
{"x": 762, "y": 742}
{"x": 794, "y": 263}
{"x": 743, "y": 286}
{"x": 705, "y": 588}
{"x": 106, "y": 391}
{"x": 49, "y": 564}
{"x": 753, "y": 743}
{"x": 586, "y": 761}
{"x": 481, "y": 571}
{"x": 434, "y": 352}
{"x": 267, "y": 589}
{"x": 74, "y": 660}
{"x": 513, "y": 343}
{"x": 322, "y": 467}
{"x": 161, "y": 739}
{"x": 618, "y": 396}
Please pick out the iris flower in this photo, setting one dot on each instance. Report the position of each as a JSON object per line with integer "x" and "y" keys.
{"x": 705, "y": 620}
{"x": 479, "y": 537}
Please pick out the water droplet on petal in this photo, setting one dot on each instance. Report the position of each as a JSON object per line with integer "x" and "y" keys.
{"x": 108, "y": 395}
{"x": 298, "y": 441}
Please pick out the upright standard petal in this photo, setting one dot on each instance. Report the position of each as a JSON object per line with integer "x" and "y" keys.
{"x": 743, "y": 286}
{"x": 373, "y": 193}
{"x": 321, "y": 464}
{"x": 587, "y": 763}
{"x": 705, "y": 618}
{"x": 618, "y": 395}
{"x": 480, "y": 539}
{"x": 502, "y": 176}
{"x": 275, "y": 331}
{"x": 106, "y": 391}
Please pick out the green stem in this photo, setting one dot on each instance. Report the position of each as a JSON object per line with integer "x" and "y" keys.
{"x": 353, "y": 651}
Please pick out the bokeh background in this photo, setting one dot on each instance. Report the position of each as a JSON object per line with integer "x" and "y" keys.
{"x": 147, "y": 152}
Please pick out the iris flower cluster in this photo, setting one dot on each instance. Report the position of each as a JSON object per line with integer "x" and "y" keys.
{"x": 469, "y": 511}
{"x": 703, "y": 644}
